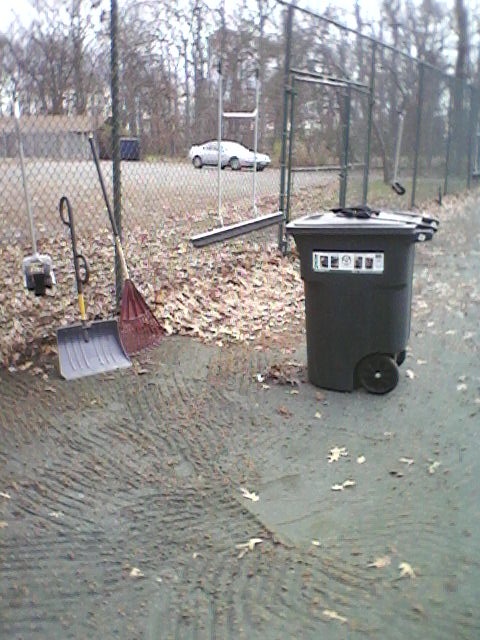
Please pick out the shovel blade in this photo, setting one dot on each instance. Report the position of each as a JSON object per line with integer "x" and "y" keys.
{"x": 91, "y": 349}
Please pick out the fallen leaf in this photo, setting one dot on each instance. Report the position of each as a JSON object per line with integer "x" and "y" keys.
{"x": 318, "y": 415}
{"x": 380, "y": 563}
{"x": 56, "y": 514}
{"x": 433, "y": 467}
{"x": 420, "y": 362}
{"x": 5, "y": 495}
{"x": 3, "y": 524}
{"x": 249, "y": 495}
{"x": 361, "y": 459}
{"x": 136, "y": 573}
{"x": 406, "y": 570}
{"x": 408, "y": 461}
{"x": 316, "y": 543}
{"x": 337, "y": 487}
{"x": 285, "y": 411}
{"x": 333, "y": 615}
{"x": 462, "y": 386}
{"x": 348, "y": 483}
{"x": 248, "y": 546}
{"x": 252, "y": 542}
{"x": 260, "y": 378}
{"x": 336, "y": 453}
{"x": 410, "y": 374}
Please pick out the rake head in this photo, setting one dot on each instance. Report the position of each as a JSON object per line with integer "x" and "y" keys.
{"x": 139, "y": 328}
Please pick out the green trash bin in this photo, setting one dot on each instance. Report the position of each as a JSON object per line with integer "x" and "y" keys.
{"x": 357, "y": 267}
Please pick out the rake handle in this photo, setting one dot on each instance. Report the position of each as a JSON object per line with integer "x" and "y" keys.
{"x": 118, "y": 243}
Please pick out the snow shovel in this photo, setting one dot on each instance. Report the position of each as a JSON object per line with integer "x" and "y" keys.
{"x": 86, "y": 348}
{"x": 396, "y": 185}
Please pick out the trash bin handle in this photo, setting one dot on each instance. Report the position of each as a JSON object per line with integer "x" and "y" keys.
{"x": 362, "y": 212}
{"x": 422, "y": 235}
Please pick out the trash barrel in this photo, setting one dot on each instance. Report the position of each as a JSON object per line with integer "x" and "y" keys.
{"x": 357, "y": 266}
{"x": 129, "y": 148}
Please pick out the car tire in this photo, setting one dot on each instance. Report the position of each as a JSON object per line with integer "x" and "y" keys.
{"x": 260, "y": 167}
{"x": 197, "y": 162}
{"x": 235, "y": 164}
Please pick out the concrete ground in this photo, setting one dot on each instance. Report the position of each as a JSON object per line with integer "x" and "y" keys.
{"x": 122, "y": 512}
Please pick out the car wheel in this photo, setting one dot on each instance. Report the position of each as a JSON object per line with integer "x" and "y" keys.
{"x": 234, "y": 164}
{"x": 260, "y": 167}
{"x": 197, "y": 162}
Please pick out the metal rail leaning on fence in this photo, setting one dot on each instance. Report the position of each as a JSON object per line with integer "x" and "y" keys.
{"x": 227, "y": 232}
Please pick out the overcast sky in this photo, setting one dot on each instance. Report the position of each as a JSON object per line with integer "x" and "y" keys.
{"x": 9, "y": 9}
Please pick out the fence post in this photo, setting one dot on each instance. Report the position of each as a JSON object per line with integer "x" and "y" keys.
{"x": 116, "y": 160}
{"x": 290, "y": 148}
{"x": 472, "y": 131}
{"x": 283, "y": 156}
{"x": 418, "y": 131}
{"x": 346, "y": 142}
{"x": 449, "y": 137}
{"x": 371, "y": 102}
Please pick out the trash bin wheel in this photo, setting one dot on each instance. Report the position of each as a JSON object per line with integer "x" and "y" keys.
{"x": 378, "y": 373}
{"x": 400, "y": 359}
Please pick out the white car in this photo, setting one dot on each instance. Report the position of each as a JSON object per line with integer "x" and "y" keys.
{"x": 233, "y": 155}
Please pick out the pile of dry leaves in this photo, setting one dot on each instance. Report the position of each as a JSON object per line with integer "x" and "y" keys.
{"x": 244, "y": 290}
{"x": 240, "y": 291}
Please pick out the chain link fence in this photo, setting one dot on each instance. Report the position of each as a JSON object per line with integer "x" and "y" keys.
{"x": 377, "y": 118}
{"x": 419, "y": 141}
{"x": 431, "y": 117}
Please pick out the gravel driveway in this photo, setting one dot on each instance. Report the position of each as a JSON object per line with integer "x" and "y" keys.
{"x": 152, "y": 193}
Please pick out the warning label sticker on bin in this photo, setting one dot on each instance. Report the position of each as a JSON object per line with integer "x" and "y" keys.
{"x": 348, "y": 261}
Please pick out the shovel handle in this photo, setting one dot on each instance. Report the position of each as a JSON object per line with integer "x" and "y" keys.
{"x": 82, "y": 271}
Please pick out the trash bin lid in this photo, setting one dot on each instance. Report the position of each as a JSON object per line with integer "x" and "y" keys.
{"x": 363, "y": 221}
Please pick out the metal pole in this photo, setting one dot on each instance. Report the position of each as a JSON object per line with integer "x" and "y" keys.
{"x": 16, "y": 117}
{"x": 219, "y": 137}
{"x": 421, "y": 73}
{"x": 116, "y": 160}
{"x": 371, "y": 102}
{"x": 471, "y": 133}
{"x": 283, "y": 155}
{"x": 257, "y": 105}
{"x": 290, "y": 148}
{"x": 346, "y": 141}
{"x": 449, "y": 138}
